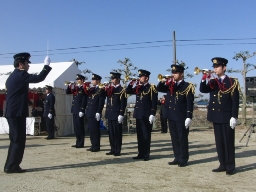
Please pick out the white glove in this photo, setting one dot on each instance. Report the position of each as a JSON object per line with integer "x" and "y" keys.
{"x": 50, "y": 115}
{"x": 120, "y": 119}
{"x": 187, "y": 122}
{"x": 97, "y": 116}
{"x": 151, "y": 119}
{"x": 47, "y": 60}
{"x": 232, "y": 122}
{"x": 81, "y": 114}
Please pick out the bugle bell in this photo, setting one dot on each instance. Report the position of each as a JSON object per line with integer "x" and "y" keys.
{"x": 197, "y": 71}
{"x": 127, "y": 78}
{"x": 160, "y": 77}
{"x": 68, "y": 82}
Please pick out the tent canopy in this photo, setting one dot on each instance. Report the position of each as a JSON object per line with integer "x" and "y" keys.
{"x": 61, "y": 72}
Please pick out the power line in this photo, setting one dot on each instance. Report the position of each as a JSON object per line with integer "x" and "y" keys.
{"x": 140, "y": 47}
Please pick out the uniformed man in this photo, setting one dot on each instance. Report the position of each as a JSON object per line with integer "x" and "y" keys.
{"x": 40, "y": 110}
{"x": 17, "y": 86}
{"x": 223, "y": 112}
{"x": 95, "y": 104}
{"x": 163, "y": 120}
{"x": 78, "y": 109}
{"x": 116, "y": 104}
{"x": 49, "y": 112}
{"x": 144, "y": 111}
{"x": 178, "y": 110}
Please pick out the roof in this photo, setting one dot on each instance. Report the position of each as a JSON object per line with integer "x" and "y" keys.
{"x": 61, "y": 72}
{"x": 202, "y": 103}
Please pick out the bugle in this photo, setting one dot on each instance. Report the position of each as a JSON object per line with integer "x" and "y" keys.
{"x": 127, "y": 78}
{"x": 69, "y": 82}
{"x": 160, "y": 77}
{"x": 205, "y": 71}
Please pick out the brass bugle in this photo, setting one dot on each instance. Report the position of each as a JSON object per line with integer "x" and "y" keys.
{"x": 160, "y": 77}
{"x": 197, "y": 71}
{"x": 68, "y": 82}
{"x": 133, "y": 79}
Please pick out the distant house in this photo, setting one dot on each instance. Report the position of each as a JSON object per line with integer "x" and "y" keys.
{"x": 201, "y": 105}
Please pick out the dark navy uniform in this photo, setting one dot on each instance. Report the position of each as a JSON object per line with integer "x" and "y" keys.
{"x": 78, "y": 105}
{"x": 116, "y": 104}
{"x": 223, "y": 104}
{"x": 49, "y": 109}
{"x": 146, "y": 105}
{"x": 178, "y": 107}
{"x": 40, "y": 103}
{"x": 163, "y": 120}
{"x": 95, "y": 104}
{"x": 17, "y": 86}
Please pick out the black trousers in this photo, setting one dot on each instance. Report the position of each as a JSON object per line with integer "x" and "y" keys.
{"x": 50, "y": 127}
{"x": 144, "y": 129}
{"x": 79, "y": 129}
{"x": 225, "y": 145}
{"x": 94, "y": 130}
{"x": 17, "y": 136}
{"x": 179, "y": 136}
{"x": 115, "y": 136}
{"x": 163, "y": 124}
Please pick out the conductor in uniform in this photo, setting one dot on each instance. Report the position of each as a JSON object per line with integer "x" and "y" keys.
{"x": 178, "y": 109}
{"x": 116, "y": 104}
{"x": 49, "y": 111}
{"x": 17, "y": 87}
{"x": 95, "y": 104}
{"x": 78, "y": 109}
{"x": 144, "y": 111}
{"x": 223, "y": 112}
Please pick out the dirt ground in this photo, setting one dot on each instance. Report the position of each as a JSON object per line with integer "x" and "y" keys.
{"x": 54, "y": 166}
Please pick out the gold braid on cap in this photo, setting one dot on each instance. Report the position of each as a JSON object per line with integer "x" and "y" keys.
{"x": 189, "y": 88}
{"x": 231, "y": 89}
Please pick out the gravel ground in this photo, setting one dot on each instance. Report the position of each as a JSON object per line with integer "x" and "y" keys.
{"x": 54, "y": 166}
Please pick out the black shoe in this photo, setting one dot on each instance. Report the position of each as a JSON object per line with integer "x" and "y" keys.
{"x": 15, "y": 171}
{"x": 137, "y": 157}
{"x": 73, "y": 145}
{"x": 231, "y": 172}
{"x": 95, "y": 150}
{"x": 183, "y": 164}
{"x": 79, "y": 146}
{"x": 173, "y": 163}
{"x": 219, "y": 170}
{"x": 90, "y": 149}
{"x": 110, "y": 153}
{"x": 146, "y": 159}
{"x": 46, "y": 138}
{"x": 117, "y": 154}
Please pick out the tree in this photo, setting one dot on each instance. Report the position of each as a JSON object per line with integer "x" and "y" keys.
{"x": 77, "y": 62}
{"x": 127, "y": 71}
{"x": 244, "y": 55}
{"x": 85, "y": 72}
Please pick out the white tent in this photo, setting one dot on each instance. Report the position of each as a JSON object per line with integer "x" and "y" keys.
{"x": 61, "y": 72}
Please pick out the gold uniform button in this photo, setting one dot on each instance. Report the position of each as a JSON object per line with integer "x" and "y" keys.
{"x": 213, "y": 102}
{"x": 170, "y": 101}
{"x": 214, "y": 95}
{"x": 174, "y": 109}
{"x": 213, "y": 109}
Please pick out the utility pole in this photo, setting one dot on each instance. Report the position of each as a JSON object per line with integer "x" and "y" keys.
{"x": 174, "y": 47}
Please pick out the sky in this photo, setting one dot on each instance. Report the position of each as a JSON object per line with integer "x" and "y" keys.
{"x": 141, "y": 30}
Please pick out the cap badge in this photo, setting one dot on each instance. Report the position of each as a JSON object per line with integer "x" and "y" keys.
{"x": 215, "y": 61}
{"x": 173, "y": 68}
